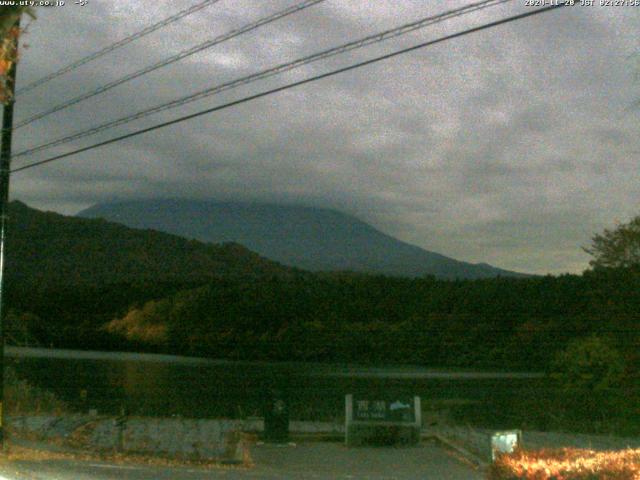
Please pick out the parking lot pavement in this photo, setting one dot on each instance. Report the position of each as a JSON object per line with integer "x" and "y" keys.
{"x": 313, "y": 460}
{"x": 336, "y": 461}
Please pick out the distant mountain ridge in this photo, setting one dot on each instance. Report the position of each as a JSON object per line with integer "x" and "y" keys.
{"x": 46, "y": 248}
{"x": 309, "y": 238}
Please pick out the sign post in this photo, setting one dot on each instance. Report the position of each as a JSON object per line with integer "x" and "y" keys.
{"x": 382, "y": 421}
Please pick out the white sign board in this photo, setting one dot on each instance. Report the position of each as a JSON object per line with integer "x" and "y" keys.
{"x": 505, "y": 442}
{"x": 367, "y": 417}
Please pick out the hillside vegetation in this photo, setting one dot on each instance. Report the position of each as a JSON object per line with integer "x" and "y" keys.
{"x": 67, "y": 276}
{"x": 47, "y": 248}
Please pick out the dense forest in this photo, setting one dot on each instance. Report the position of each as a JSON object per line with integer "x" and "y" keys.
{"x": 47, "y": 249}
{"x": 501, "y": 323}
{"x": 583, "y": 330}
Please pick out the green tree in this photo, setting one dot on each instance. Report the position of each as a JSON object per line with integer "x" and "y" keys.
{"x": 588, "y": 377}
{"x": 617, "y": 248}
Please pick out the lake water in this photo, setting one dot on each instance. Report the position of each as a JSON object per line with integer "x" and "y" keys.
{"x": 163, "y": 385}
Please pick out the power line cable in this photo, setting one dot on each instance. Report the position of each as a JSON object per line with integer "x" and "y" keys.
{"x": 294, "y": 84}
{"x": 363, "y": 42}
{"x": 116, "y": 45}
{"x": 174, "y": 58}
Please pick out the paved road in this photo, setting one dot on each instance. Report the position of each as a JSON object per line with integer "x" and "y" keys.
{"x": 313, "y": 461}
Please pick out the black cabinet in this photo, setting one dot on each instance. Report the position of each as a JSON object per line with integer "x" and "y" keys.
{"x": 276, "y": 417}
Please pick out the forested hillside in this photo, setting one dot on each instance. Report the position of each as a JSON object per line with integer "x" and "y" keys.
{"x": 67, "y": 276}
{"x": 49, "y": 249}
{"x": 502, "y": 323}
{"x": 93, "y": 284}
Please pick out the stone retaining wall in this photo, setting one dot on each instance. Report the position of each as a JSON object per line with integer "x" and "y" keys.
{"x": 210, "y": 439}
{"x": 171, "y": 437}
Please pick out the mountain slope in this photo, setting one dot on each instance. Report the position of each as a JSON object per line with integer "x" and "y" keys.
{"x": 48, "y": 248}
{"x": 308, "y": 238}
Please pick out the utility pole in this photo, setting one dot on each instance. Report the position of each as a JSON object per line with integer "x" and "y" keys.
{"x": 5, "y": 171}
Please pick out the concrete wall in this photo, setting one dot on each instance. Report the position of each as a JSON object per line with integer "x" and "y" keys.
{"x": 172, "y": 437}
{"x": 217, "y": 439}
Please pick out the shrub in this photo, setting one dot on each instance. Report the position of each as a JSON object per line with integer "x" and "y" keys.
{"x": 566, "y": 464}
{"x": 588, "y": 380}
{"x": 23, "y": 398}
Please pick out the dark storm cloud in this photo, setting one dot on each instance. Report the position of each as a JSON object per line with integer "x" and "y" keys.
{"x": 511, "y": 146}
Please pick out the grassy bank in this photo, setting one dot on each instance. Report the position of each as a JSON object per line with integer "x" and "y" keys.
{"x": 21, "y": 398}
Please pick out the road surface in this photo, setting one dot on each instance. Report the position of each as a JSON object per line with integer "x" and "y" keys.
{"x": 313, "y": 461}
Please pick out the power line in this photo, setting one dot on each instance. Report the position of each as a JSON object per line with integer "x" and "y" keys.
{"x": 116, "y": 45}
{"x": 378, "y": 37}
{"x": 294, "y": 84}
{"x": 360, "y": 43}
{"x": 179, "y": 56}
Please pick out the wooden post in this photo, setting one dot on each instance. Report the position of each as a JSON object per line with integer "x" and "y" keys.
{"x": 5, "y": 171}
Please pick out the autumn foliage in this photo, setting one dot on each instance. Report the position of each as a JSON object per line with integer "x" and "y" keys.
{"x": 567, "y": 464}
{"x": 8, "y": 56}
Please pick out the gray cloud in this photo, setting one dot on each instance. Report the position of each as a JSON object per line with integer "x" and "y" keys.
{"x": 511, "y": 146}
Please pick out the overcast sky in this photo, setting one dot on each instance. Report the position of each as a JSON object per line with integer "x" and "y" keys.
{"x": 511, "y": 146}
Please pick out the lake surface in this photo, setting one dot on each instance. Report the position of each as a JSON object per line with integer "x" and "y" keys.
{"x": 164, "y": 385}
